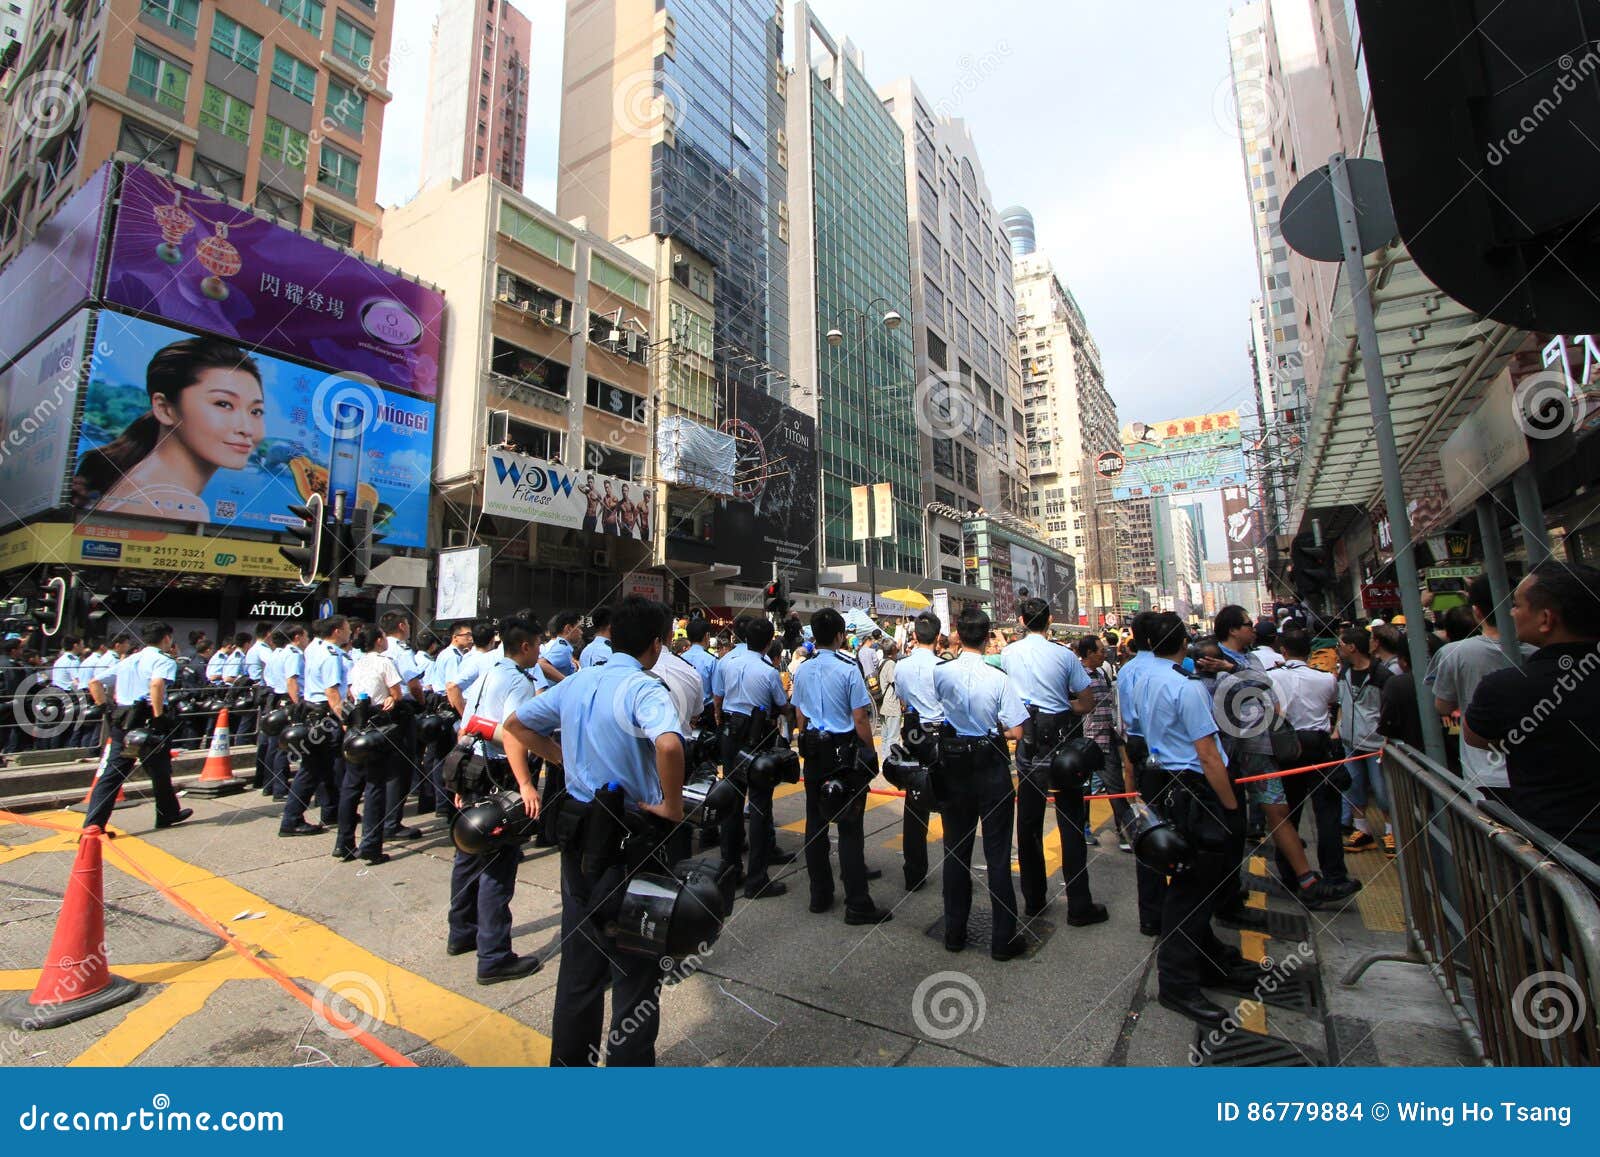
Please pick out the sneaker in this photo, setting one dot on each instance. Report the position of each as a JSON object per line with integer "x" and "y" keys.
{"x": 1124, "y": 846}
{"x": 1388, "y": 845}
{"x": 1088, "y": 837}
{"x": 1339, "y": 889}
{"x": 1359, "y": 841}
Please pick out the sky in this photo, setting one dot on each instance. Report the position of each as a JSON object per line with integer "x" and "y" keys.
{"x": 1111, "y": 120}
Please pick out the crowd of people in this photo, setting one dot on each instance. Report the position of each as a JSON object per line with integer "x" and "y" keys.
{"x": 1192, "y": 731}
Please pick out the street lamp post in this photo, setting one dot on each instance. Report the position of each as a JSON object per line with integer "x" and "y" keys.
{"x": 889, "y": 319}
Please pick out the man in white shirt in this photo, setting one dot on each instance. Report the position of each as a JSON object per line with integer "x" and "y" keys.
{"x": 1266, "y": 650}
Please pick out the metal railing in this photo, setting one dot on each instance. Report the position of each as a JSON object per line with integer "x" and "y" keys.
{"x": 1511, "y": 935}
{"x": 64, "y": 727}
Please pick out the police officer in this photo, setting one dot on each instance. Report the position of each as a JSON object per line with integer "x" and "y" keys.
{"x": 598, "y": 651}
{"x": 1152, "y": 884}
{"x": 981, "y": 712}
{"x": 396, "y": 627}
{"x": 255, "y": 674}
{"x": 1186, "y": 781}
{"x": 482, "y": 886}
{"x": 913, "y": 682}
{"x": 701, "y": 659}
{"x": 140, "y": 695}
{"x": 618, "y": 726}
{"x": 1056, "y": 691}
{"x": 749, "y": 699}
{"x": 834, "y": 720}
{"x": 326, "y": 684}
{"x": 275, "y": 695}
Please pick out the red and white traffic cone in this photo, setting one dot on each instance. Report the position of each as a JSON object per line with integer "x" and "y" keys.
{"x": 216, "y": 777}
{"x": 105, "y": 763}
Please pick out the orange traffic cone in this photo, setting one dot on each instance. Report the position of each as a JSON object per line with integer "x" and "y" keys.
{"x": 76, "y": 980}
{"x": 216, "y": 777}
{"x": 105, "y": 762}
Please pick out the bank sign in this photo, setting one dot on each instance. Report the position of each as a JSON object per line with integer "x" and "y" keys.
{"x": 534, "y": 490}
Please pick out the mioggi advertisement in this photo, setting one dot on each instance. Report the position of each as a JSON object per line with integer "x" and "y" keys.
{"x": 190, "y": 428}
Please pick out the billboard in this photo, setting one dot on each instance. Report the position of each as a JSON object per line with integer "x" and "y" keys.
{"x": 773, "y": 516}
{"x": 197, "y": 261}
{"x": 1181, "y": 456}
{"x": 54, "y": 273}
{"x": 1242, "y": 523}
{"x": 242, "y": 440}
{"x": 37, "y": 395}
{"x": 533, "y": 490}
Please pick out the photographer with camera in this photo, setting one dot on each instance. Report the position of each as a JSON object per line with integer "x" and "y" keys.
{"x": 833, "y": 716}
{"x": 141, "y": 727}
{"x": 624, "y": 763}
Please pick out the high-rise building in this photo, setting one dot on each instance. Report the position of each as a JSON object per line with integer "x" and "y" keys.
{"x": 849, "y": 291}
{"x": 279, "y": 106}
{"x": 477, "y": 112}
{"x": 13, "y": 23}
{"x": 1018, "y": 224}
{"x": 1069, "y": 420}
{"x": 1197, "y": 519}
{"x": 963, "y": 306}
{"x": 672, "y": 123}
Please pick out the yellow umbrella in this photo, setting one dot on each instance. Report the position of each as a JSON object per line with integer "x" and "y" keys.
{"x": 909, "y": 597}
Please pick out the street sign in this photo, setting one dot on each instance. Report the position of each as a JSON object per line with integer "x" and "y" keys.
{"x": 325, "y": 609}
{"x": 1310, "y": 217}
{"x": 1110, "y": 464}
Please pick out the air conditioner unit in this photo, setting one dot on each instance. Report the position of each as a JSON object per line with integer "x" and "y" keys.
{"x": 549, "y": 317}
{"x": 598, "y": 559}
{"x": 632, "y": 343}
{"x": 457, "y": 539}
{"x": 508, "y": 298}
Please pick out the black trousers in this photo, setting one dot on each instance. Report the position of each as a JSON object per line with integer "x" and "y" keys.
{"x": 1321, "y": 790}
{"x": 731, "y": 830}
{"x": 364, "y": 786}
{"x": 317, "y": 776}
{"x": 851, "y": 822}
{"x": 1032, "y": 789}
{"x": 481, "y": 888}
{"x": 590, "y": 965}
{"x": 1189, "y": 953}
{"x": 980, "y": 795}
{"x": 914, "y": 840}
{"x": 118, "y": 766}
{"x": 402, "y": 768}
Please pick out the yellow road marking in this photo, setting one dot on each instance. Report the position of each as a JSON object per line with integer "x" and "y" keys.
{"x": 309, "y": 951}
{"x": 146, "y": 1024}
{"x": 56, "y": 842}
{"x": 1257, "y": 900}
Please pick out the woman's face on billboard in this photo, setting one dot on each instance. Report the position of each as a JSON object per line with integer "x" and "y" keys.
{"x": 220, "y": 419}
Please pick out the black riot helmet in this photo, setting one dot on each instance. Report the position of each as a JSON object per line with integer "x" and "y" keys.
{"x": 1074, "y": 762}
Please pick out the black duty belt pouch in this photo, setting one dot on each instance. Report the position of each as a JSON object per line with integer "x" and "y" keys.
{"x": 563, "y": 820}
{"x": 1198, "y": 813}
{"x": 134, "y": 717}
{"x": 463, "y": 771}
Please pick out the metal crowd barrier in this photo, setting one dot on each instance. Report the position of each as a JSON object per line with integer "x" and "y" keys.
{"x": 56, "y": 731}
{"x": 1510, "y": 930}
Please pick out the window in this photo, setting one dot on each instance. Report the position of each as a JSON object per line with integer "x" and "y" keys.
{"x": 226, "y": 114}
{"x": 937, "y": 354}
{"x": 540, "y": 304}
{"x": 285, "y": 143}
{"x": 602, "y": 459}
{"x": 527, "y": 368}
{"x": 279, "y": 205}
{"x": 157, "y": 79}
{"x": 352, "y": 42}
{"x": 231, "y": 39}
{"x": 615, "y": 400}
{"x": 949, "y": 544}
{"x": 145, "y": 143}
{"x": 293, "y": 76}
{"x": 608, "y": 276}
{"x": 338, "y": 170}
{"x": 534, "y": 441}
{"x": 347, "y": 107}
{"x": 178, "y": 15}
{"x": 215, "y": 175}
{"x": 306, "y": 13}
{"x": 333, "y": 227}
{"x": 536, "y": 235}
{"x": 951, "y": 574}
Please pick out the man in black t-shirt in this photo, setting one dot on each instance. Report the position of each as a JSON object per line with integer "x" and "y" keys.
{"x": 1545, "y": 717}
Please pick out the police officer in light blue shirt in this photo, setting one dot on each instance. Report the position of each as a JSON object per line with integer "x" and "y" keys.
{"x": 64, "y": 671}
{"x": 1186, "y": 781}
{"x": 140, "y": 703}
{"x": 474, "y": 664}
{"x": 750, "y": 702}
{"x": 253, "y": 671}
{"x": 217, "y": 665}
{"x": 275, "y": 681}
{"x": 255, "y": 657}
{"x": 326, "y": 688}
{"x": 618, "y": 725}
{"x": 699, "y": 658}
{"x": 919, "y": 727}
{"x": 833, "y": 715}
{"x": 1057, "y": 692}
{"x": 448, "y": 660}
{"x": 396, "y": 627}
{"x": 599, "y": 649}
{"x": 557, "y": 659}
{"x": 1135, "y": 753}
{"x": 982, "y": 710}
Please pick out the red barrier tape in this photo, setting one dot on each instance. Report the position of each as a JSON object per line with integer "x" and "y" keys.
{"x": 360, "y": 1036}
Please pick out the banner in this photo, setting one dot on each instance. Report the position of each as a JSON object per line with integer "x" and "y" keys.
{"x": 1241, "y": 523}
{"x": 533, "y": 490}
{"x": 241, "y": 441}
{"x": 37, "y": 396}
{"x": 54, "y": 273}
{"x": 1182, "y": 456}
{"x": 460, "y": 574}
{"x": 191, "y": 259}
{"x": 774, "y": 516}
{"x": 86, "y": 544}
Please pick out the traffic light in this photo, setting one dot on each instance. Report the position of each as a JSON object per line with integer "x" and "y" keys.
{"x": 776, "y": 594}
{"x": 310, "y": 558}
{"x": 53, "y": 608}
{"x": 89, "y": 610}
{"x": 1310, "y": 566}
{"x": 357, "y": 539}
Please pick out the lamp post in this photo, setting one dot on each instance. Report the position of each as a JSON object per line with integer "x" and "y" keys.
{"x": 889, "y": 319}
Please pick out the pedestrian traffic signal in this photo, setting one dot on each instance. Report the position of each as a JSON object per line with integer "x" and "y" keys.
{"x": 357, "y": 539}
{"x": 1310, "y": 566}
{"x": 53, "y": 606}
{"x": 776, "y": 595}
{"x": 308, "y": 558}
{"x": 89, "y": 610}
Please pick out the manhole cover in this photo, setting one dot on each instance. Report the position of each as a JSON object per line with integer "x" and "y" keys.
{"x": 1251, "y": 1050}
{"x": 980, "y": 930}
